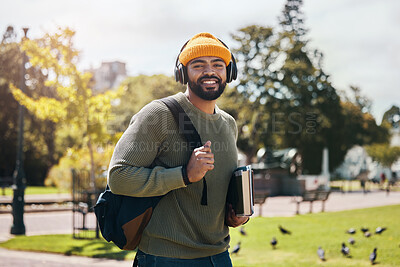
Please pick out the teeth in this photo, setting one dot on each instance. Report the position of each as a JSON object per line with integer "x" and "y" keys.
{"x": 209, "y": 82}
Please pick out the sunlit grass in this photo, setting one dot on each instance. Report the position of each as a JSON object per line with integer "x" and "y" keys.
{"x": 66, "y": 245}
{"x": 298, "y": 249}
{"x": 323, "y": 229}
{"x": 36, "y": 190}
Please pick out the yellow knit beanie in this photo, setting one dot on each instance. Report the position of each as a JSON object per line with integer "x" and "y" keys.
{"x": 204, "y": 45}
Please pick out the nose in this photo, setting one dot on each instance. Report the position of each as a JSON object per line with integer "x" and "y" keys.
{"x": 208, "y": 70}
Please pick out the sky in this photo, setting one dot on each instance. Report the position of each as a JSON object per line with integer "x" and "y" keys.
{"x": 360, "y": 39}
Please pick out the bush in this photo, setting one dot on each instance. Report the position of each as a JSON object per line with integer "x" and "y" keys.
{"x": 60, "y": 175}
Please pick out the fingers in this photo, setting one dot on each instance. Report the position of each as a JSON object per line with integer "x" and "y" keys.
{"x": 201, "y": 161}
{"x": 231, "y": 218}
{"x": 205, "y": 148}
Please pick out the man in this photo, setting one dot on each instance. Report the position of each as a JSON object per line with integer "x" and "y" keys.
{"x": 189, "y": 226}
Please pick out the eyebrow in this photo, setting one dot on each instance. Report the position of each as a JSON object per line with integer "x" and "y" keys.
{"x": 203, "y": 61}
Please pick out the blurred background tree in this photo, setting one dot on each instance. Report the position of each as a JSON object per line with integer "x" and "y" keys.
{"x": 39, "y": 146}
{"x": 392, "y": 117}
{"x": 286, "y": 98}
{"x": 72, "y": 103}
{"x": 383, "y": 153}
{"x": 138, "y": 91}
{"x": 283, "y": 98}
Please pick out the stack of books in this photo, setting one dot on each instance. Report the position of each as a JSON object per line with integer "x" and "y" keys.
{"x": 241, "y": 191}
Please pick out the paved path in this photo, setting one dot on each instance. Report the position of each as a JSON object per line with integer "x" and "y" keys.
{"x": 10, "y": 258}
{"x": 61, "y": 222}
{"x": 284, "y": 206}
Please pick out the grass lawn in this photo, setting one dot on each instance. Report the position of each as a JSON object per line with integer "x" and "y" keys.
{"x": 327, "y": 230}
{"x": 37, "y": 190}
{"x": 354, "y": 185}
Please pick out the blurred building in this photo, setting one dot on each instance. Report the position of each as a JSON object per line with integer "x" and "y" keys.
{"x": 280, "y": 170}
{"x": 108, "y": 76}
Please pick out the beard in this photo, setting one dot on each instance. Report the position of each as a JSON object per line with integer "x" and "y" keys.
{"x": 205, "y": 94}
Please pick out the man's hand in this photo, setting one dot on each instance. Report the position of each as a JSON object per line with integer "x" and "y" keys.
{"x": 201, "y": 161}
{"x": 231, "y": 219}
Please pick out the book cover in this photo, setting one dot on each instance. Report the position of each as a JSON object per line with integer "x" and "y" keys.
{"x": 241, "y": 191}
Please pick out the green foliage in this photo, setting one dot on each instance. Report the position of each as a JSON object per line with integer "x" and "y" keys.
{"x": 60, "y": 175}
{"x": 384, "y": 153}
{"x": 392, "y": 117}
{"x": 138, "y": 91}
{"x": 73, "y": 102}
{"x": 39, "y": 148}
{"x": 299, "y": 249}
{"x": 288, "y": 100}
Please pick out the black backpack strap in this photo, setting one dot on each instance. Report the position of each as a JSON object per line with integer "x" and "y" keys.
{"x": 187, "y": 129}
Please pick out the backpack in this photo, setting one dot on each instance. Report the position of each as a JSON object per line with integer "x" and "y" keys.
{"x": 122, "y": 219}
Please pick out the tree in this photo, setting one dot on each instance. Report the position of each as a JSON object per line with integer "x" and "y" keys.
{"x": 290, "y": 93}
{"x": 73, "y": 104}
{"x": 293, "y": 103}
{"x": 138, "y": 91}
{"x": 383, "y": 153}
{"x": 39, "y": 147}
{"x": 392, "y": 117}
{"x": 255, "y": 94}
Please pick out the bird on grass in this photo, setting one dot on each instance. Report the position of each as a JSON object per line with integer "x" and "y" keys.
{"x": 372, "y": 256}
{"x": 351, "y": 231}
{"x": 273, "y": 242}
{"x": 367, "y": 234}
{"x": 242, "y": 231}
{"x": 352, "y": 241}
{"x": 363, "y": 229}
{"x": 379, "y": 230}
{"x": 236, "y": 249}
{"x": 284, "y": 231}
{"x": 321, "y": 254}
{"x": 345, "y": 250}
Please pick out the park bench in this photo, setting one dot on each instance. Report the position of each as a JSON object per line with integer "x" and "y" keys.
{"x": 312, "y": 196}
{"x": 261, "y": 192}
{"x": 5, "y": 182}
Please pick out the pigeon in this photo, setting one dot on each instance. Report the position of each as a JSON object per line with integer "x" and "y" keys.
{"x": 345, "y": 250}
{"x": 273, "y": 242}
{"x": 351, "y": 241}
{"x": 236, "y": 249}
{"x": 284, "y": 231}
{"x": 242, "y": 231}
{"x": 351, "y": 231}
{"x": 379, "y": 230}
{"x": 372, "y": 256}
{"x": 367, "y": 234}
{"x": 321, "y": 253}
{"x": 363, "y": 229}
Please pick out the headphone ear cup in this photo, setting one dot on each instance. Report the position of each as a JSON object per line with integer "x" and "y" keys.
{"x": 229, "y": 73}
{"x": 231, "y": 70}
{"x": 177, "y": 74}
{"x": 182, "y": 74}
{"x": 234, "y": 69}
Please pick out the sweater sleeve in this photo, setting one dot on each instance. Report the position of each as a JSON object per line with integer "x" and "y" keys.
{"x": 131, "y": 171}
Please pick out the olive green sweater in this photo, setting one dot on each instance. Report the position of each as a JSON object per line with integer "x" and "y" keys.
{"x": 147, "y": 161}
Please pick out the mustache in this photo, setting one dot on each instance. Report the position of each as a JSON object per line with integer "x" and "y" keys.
{"x": 209, "y": 77}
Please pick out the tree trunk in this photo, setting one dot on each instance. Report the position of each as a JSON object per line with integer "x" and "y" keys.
{"x": 92, "y": 174}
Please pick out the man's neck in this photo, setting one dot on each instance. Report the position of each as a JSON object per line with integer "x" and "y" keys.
{"x": 207, "y": 106}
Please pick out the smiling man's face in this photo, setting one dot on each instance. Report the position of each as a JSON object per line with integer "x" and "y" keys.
{"x": 207, "y": 77}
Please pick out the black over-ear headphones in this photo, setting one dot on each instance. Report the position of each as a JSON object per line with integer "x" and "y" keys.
{"x": 181, "y": 72}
